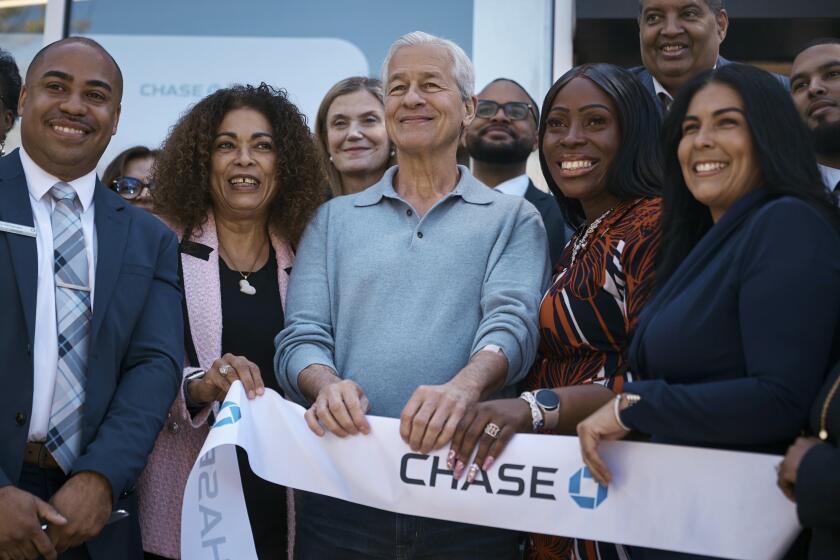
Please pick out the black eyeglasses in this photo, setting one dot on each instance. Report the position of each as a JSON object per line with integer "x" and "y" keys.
{"x": 130, "y": 188}
{"x": 514, "y": 110}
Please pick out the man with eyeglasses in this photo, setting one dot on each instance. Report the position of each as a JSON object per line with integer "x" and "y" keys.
{"x": 499, "y": 141}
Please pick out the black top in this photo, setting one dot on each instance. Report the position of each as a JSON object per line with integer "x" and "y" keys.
{"x": 252, "y": 321}
{"x": 249, "y": 325}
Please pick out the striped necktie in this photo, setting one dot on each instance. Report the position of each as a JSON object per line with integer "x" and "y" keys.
{"x": 73, "y": 314}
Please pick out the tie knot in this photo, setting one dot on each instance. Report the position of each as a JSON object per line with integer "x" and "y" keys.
{"x": 63, "y": 191}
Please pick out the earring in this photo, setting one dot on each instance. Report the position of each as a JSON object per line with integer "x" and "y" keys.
{"x": 393, "y": 152}
{"x": 331, "y": 158}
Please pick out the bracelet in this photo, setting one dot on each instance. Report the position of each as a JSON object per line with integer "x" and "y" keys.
{"x": 616, "y": 403}
{"x": 536, "y": 412}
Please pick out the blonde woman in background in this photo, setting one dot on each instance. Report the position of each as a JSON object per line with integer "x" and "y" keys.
{"x": 351, "y": 135}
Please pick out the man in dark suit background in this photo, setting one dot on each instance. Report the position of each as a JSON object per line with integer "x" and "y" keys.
{"x": 91, "y": 332}
{"x": 815, "y": 87}
{"x": 678, "y": 40}
{"x": 499, "y": 141}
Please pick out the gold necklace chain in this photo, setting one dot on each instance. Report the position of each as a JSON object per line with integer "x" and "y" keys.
{"x": 824, "y": 413}
{"x": 244, "y": 275}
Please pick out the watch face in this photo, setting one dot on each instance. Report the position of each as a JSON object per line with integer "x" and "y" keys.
{"x": 547, "y": 399}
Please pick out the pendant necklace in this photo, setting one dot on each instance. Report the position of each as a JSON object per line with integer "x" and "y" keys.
{"x": 244, "y": 286}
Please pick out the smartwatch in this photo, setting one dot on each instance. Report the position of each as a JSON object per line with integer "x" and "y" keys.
{"x": 549, "y": 404}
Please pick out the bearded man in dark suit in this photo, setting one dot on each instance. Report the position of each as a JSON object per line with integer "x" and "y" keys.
{"x": 499, "y": 141}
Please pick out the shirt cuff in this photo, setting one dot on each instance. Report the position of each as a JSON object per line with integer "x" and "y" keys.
{"x": 510, "y": 348}
{"x": 299, "y": 360}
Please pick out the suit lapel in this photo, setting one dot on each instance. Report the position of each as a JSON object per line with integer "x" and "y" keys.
{"x": 16, "y": 208}
{"x": 203, "y": 294}
{"x": 111, "y": 222}
{"x": 285, "y": 259}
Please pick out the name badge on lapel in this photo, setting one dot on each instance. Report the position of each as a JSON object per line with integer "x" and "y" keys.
{"x": 18, "y": 229}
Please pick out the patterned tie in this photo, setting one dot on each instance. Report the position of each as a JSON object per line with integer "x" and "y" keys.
{"x": 72, "y": 310}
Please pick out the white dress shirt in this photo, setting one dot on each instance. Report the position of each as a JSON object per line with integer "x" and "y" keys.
{"x": 830, "y": 175}
{"x": 516, "y": 186}
{"x": 660, "y": 90}
{"x": 45, "y": 351}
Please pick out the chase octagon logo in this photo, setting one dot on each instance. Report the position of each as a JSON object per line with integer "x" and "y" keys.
{"x": 586, "y": 493}
{"x": 229, "y": 413}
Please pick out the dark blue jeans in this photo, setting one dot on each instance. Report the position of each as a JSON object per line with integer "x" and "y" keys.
{"x": 339, "y": 530}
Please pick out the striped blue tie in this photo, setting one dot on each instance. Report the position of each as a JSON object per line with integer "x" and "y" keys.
{"x": 73, "y": 313}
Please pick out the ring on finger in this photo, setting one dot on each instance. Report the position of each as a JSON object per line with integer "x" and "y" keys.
{"x": 492, "y": 430}
{"x": 225, "y": 370}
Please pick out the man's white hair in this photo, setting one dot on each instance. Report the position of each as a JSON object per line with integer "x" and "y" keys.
{"x": 462, "y": 67}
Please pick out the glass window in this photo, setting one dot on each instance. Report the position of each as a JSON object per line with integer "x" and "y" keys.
{"x": 22, "y": 29}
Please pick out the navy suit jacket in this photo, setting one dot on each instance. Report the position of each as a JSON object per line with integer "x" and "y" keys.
{"x": 733, "y": 348}
{"x": 645, "y": 77}
{"x": 555, "y": 226}
{"x": 136, "y": 348}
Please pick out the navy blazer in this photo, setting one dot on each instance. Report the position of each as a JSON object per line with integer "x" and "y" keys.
{"x": 734, "y": 347}
{"x": 136, "y": 348}
{"x": 644, "y": 76}
{"x": 556, "y": 228}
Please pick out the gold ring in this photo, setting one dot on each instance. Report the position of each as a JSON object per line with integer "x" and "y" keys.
{"x": 492, "y": 430}
{"x": 225, "y": 370}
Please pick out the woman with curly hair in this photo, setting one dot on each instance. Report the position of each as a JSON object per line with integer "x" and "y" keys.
{"x": 238, "y": 178}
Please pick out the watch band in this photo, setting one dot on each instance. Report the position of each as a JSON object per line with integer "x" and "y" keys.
{"x": 537, "y": 418}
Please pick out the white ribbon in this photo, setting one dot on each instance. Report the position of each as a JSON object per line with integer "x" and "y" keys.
{"x": 701, "y": 501}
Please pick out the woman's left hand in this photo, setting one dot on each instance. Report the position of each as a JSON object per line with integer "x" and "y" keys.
{"x": 510, "y": 415}
{"x": 600, "y": 425}
{"x": 789, "y": 466}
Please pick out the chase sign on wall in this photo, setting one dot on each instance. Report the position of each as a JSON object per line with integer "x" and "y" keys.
{"x": 165, "y": 75}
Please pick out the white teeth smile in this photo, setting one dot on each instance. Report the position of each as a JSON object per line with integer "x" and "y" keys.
{"x": 577, "y": 164}
{"x": 672, "y": 48}
{"x": 68, "y": 130}
{"x": 243, "y": 181}
{"x": 709, "y": 166}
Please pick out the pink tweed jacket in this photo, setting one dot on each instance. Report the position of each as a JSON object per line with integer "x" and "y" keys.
{"x": 160, "y": 488}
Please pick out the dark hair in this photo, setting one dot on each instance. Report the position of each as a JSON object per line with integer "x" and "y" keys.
{"x": 70, "y": 40}
{"x": 817, "y": 42}
{"x": 525, "y": 91}
{"x": 182, "y": 170}
{"x": 117, "y": 167}
{"x": 782, "y": 144}
{"x": 715, "y": 6}
{"x": 344, "y": 87}
{"x": 9, "y": 83}
{"x": 636, "y": 171}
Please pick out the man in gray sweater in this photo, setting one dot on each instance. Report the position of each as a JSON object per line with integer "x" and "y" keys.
{"x": 413, "y": 299}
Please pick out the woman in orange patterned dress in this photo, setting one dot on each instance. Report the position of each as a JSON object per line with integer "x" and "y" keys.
{"x": 599, "y": 152}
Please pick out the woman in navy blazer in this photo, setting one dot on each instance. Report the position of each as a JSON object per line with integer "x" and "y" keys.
{"x": 736, "y": 343}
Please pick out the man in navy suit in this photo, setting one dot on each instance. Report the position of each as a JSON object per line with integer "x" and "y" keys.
{"x": 499, "y": 141}
{"x": 91, "y": 332}
{"x": 678, "y": 40}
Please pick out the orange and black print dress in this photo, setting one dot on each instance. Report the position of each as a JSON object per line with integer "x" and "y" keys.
{"x": 586, "y": 319}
